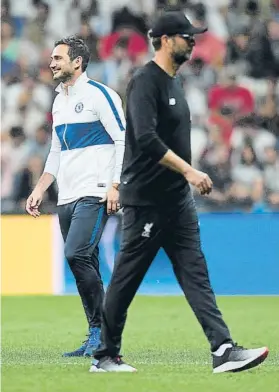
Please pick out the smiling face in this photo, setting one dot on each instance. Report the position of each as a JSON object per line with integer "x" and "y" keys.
{"x": 63, "y": 69}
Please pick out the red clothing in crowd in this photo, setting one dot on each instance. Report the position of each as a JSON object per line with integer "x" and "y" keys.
{"x": 236, "y": 97}
{"x": 136, "y": 45}
{"x": 224, "y": 124}
{"x": 209, "y": 48}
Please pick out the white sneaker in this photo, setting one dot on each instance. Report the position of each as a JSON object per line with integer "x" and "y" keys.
{"x": 234, "y": 358}
{"x": 108, "y": 364}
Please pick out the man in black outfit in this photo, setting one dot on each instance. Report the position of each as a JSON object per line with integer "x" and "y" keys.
{"x": 159, "y": 210}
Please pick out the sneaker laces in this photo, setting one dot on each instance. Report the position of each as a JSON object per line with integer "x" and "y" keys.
{"x": 236, "y": 347}
{"x": 117, "y": 360}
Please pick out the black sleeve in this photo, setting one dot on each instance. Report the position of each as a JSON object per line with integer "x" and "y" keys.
{"x": 142, "y": 105}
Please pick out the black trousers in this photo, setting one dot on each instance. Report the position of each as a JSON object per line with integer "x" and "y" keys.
{"x": 145, "y": 230}
{"x": 82, "y": 223}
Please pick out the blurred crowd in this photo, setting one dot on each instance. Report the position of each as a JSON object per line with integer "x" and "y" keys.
{"x": 231, "y": 84}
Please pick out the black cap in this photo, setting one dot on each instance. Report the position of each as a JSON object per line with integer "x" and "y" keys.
{"x": 172, "y": 23}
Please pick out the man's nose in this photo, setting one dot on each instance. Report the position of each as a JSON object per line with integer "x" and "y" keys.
{"x": 192, "y": 41}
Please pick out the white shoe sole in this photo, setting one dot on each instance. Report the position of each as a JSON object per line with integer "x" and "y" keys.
{"x": 95, "y": 369}
{"x": 238, "y": 366}
{"x": 121, "y": 370}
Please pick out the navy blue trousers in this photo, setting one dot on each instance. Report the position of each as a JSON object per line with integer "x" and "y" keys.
{"x": 82, "y": 223}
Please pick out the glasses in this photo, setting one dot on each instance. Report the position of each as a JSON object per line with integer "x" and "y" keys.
{"x": 187, "y": 37}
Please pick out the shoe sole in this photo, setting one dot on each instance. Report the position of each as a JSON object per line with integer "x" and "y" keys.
{"x": 95, "y": 369}
{"x": 240, "y": 366}
{"x": 257, "y": 361}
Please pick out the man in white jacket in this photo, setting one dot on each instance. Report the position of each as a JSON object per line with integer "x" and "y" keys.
{"x": 86, "y": 159}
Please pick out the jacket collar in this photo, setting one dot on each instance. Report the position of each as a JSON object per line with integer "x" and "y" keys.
{"x": 72, "y": 89}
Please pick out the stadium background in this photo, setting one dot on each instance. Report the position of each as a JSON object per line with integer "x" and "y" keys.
{"x": 235, "y": 134}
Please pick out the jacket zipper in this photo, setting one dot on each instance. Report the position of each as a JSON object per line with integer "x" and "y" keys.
{"x": 66, "y": 126}
{"x": 64, "y": 136}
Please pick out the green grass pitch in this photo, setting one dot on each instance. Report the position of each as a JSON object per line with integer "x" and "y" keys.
{"x": 162, "y": 339}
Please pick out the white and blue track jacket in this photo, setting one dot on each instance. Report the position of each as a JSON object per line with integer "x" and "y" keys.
{"x": 88, "y": 139}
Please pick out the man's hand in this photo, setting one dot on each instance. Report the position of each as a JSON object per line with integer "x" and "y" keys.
{"x": 33, "y": 202}
{"x": 112, "y": 198}
{"x": 200, "y": 180}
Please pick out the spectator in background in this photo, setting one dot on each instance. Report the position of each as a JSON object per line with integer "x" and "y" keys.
{"x": 124, "y": 17}
{"x": 251, "y": 15}
{"x": 40, "y": 145}
{"x": 271, "y": 176}
{"x": 137, "y": 43}
{"x": 117, "y": 66}
{"x": 262, "y": 63}
{"x": 27, "y": 103}
{"x": 6, "y": 171}
{"x": 13, "y": 48}
{"x": 273, "y": 31}
{"x": 216, "y": 20}
{"x": 17, "y": 72}
{"x": 28, "y": 178}
{"x": 237, "y": 48}
{"x": 210, "y": 48}
{"x": 107, "y": 8}
{"x": 64, "y": 19}
{"x": 215, "y": 141}
{"x": 199, "y": 142}
{"x": 268, "y": 112}
{"x": 91, "y": 39}
{"x": 35, "y": 30}
{"x": 275, "y": 10}
{"x": 5, "y": 12}
{"x": 248, "y": 130}
{"x": 199, "y": 74}
{"x": 172, "y": 5}
{"x": 228, "y": 93}
{"x": 228, "y": 101}
{"x": 197, "y": 78}
{"x": 235, "y": 15}
{"x": 247, "y": 187}
{"x": 10, "y": 45}
{"x": 9, "y": 51}
{"x": 195, "y": 97}
{"x": 21, "y": 11}
{"x": 219, "y": 170}
{"x": 223, "y": 120}
{"x": 14, "y": 156}
{"x": 44, "y": 73}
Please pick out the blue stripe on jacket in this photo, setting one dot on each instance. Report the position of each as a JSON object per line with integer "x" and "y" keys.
{"x": 80, "y": 135}
{"x": 110, "y": 101}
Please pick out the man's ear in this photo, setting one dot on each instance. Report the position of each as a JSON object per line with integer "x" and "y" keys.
{"x": 78, "y": 62}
